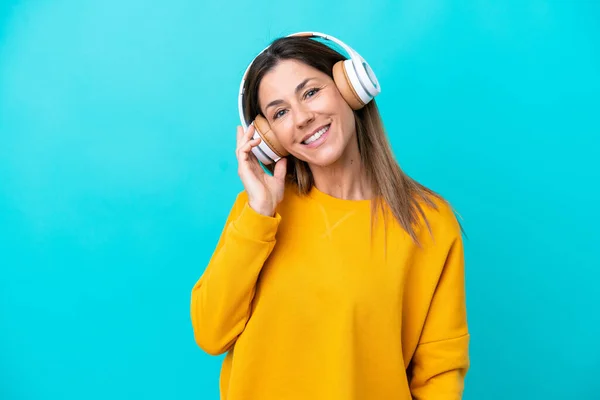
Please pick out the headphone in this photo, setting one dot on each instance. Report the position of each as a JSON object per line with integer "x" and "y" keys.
{"x": 353, "y": 77}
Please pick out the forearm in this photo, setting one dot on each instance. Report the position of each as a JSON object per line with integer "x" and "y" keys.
{"x": 221, "y": 300}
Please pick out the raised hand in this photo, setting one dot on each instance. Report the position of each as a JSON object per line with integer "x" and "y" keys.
{"x": 264, "y": 191}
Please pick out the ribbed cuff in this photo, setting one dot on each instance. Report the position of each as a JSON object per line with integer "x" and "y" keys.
{"x": 256, "y": 226}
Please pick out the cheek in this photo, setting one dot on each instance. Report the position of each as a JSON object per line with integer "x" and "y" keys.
{"x": 348, "y": 121}
{"x": 283, "y": 133}
{"x": 331, "y": 104}
{"x": 337, "y": 105}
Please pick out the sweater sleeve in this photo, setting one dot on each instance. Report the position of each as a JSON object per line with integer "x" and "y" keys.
{"x": 222, "y": 297}
{"x": 441, "y": 360}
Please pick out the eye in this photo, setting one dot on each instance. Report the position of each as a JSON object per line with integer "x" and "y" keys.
{"x": 311, "y": 92}
{"x": 278, "y": 114}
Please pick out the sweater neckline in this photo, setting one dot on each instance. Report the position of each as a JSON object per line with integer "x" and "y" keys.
{"x": 328, "y": 200}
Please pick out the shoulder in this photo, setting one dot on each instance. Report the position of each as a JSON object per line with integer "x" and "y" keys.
{"x": 290, "y": 192}
{"x": 438, "y": 219}
{"x": 290, "y": 199}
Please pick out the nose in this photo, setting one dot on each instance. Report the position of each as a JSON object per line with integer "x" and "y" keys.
{"x": 303, "y": 117}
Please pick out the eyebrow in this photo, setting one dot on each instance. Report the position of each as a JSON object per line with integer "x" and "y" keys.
{"x": 300, "y": 86}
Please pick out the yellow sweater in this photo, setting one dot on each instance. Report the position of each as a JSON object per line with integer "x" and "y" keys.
{"x": 307, "y": 307}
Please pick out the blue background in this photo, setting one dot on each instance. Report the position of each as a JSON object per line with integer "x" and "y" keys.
{"x": 117, "y": 170}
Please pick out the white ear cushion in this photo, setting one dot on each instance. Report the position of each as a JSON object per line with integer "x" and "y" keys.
{"x": 263, "y": 152}
{"x": 261, "y": 156}
{"x": 354, "y": 80}
{"x": 369, "y": 81}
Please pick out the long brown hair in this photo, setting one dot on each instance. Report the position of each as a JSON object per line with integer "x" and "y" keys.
{"x": 390, "y": 185}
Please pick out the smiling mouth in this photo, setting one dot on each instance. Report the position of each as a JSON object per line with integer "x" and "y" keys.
{"x": 317, "y": 135}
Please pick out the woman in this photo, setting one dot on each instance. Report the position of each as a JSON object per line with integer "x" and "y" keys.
{"x": 336, "y": 276}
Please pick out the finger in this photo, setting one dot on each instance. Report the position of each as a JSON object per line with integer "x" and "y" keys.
{"x": 251, "y": 143}
{"x": 240, "y": 132}
{"x": 249, "y": 132}
{"x": 246, "y": 148}
{"x": 280, "y": 169}
{"x": 244, "y": 137}
{"x": 253, "y": 160}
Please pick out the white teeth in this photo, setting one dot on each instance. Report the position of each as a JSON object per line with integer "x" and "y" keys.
{"x": 317, "y": 135}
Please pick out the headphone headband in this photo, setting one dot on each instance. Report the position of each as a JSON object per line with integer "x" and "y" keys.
{"x": 354, "y": 57}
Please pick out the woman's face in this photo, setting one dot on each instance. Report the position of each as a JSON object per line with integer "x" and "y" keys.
{"x": 307, "y": 113}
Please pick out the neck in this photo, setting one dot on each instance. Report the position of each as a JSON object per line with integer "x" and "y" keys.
{"x": 346, "y": 178}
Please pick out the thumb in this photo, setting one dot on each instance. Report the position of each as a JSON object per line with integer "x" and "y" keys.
{"x": 280, "y": 169}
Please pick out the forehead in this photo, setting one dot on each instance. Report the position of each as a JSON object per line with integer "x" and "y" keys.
{"x": 284, "y": 77}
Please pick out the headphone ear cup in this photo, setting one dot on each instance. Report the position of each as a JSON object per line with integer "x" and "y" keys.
{"x": 268, "y": 138}
{"x": 342, "y": 81}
